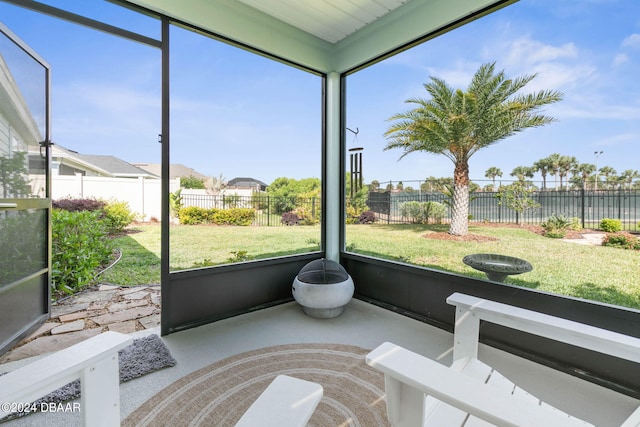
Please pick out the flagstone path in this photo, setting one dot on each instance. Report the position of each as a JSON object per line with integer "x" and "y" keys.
{"x": 100, "y": 309}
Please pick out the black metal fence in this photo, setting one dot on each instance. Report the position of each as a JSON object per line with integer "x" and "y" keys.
{"x": 589, "y": 206}
{"x": 268, "y": 209}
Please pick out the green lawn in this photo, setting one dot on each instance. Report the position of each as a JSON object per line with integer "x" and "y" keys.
{"x": 600, "y": 273}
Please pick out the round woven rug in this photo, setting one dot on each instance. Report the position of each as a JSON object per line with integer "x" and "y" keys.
{"x": 220, "y": 393}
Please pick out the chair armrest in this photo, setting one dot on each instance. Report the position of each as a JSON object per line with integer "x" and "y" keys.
{"x": 470, "y": 309}
{"x": 468, "y": 394}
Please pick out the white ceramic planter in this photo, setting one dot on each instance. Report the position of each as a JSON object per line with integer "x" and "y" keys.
{"x": 323, "y": 300}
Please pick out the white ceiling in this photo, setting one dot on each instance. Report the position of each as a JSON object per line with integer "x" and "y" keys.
{"x": 323, "y": 35}
{"x": 330, "y": 20}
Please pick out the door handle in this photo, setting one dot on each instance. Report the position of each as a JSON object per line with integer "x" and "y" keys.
{"x": 8, "y": 205}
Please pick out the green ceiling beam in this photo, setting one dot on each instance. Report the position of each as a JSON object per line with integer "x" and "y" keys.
{"x": 240, "y": 23}
{"x": 410, "y": 22}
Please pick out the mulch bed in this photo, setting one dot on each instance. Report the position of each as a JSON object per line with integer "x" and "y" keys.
{"x": 444, "y": 235}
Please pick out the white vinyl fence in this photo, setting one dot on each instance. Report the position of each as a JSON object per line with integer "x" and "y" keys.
{"x": 144, "y": 195}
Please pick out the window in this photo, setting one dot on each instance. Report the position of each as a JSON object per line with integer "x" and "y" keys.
{"x": 245, "y": 155}
{"x": 591, "y": 54}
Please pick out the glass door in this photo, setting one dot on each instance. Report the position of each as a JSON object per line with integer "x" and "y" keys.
{"x": 24, "y": 190}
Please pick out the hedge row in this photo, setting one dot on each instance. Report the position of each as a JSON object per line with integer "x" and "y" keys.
{"x": 237, "y": 216}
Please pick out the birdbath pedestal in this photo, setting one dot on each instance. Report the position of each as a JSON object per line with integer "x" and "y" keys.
{"x": 497, "y": 267}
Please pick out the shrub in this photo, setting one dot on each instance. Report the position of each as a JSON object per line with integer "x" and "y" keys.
{"x": 367, "y": 217}
{"x": 435, "y": 211}
{"x": 610, "y": 225}
{"x": 290, "y": 218}
{"x": 423, "y": 212}
{"x": 576, "y": 224}
{"x": 192, "y": 215}
{"x": 117, "y": 216}
{"x": 79, "y": 246}
{"x": 305, "y": 215}
{"x": 556, "y": 226}
{"x": 621, "y": 240}
{"x": 412, "y": 210}
{"x": 195, "y": 215}
{"x": 235, "y": 216}
{"x": 75, "y": 205}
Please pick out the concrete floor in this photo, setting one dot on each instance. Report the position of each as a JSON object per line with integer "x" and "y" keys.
{"x": 363, "y": 325}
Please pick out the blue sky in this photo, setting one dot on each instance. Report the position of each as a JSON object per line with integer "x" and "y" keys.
{"x": 238, "y": 114}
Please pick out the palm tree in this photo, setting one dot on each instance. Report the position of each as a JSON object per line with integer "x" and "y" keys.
{"x": 565, "y": 164}
{"x": 629, "y": 175}
{"x": 492, "y": 173}
{"x": 522, "y": 172}
{"x": 584, "y": 170}
{"x": 544, "y": 167}
{"x": 458, "y": 123}
{"x": 554, "y": 167}
{"x": 609, "y": 175}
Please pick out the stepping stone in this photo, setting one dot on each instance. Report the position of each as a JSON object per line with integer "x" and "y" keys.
{"x": 96, "y": 296}
{"x": 150, "y": 321}
{"x": 48, "y": 344}
{"x": 78, "y": 325}
{"x": 156, "y": 299}
{"x": 108, "y": 287}
{"x": 60, "y": 310}
{"x": 120, "y": 306}
{"x": 136, "y": 295}
{"x": 121, "y": 316}
{"x": 98, "y": 305}
{"x": 133, "y": 290}
{"x": 46, "y": 327}
{"x": 127, "y": 327}
{"x": 73, "y": 316}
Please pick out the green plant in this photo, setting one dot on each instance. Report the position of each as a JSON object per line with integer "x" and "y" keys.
{"x": 610, "y": 225}
{"x": 192, "y": 215}
{"x": 239, "y": 256}
{"x": 175, "y": 202}
{"x": 305, "y": 215}
{"x": 79, "y": 246}
{"x": 234, "y": 216}
{"x": 517, "y": 196}
{"x": 117, "y": 216}
{"x": 621, "y": 240}
{"x": 556, "y": 226}
{"x": 576, "y": 224}
{"x": 457, "y": 123}
{"x": 413, "y": 211}
{"x": 423, "y": 212}
{"x": 204, "y": 263}
{"x": 191, "y": 182}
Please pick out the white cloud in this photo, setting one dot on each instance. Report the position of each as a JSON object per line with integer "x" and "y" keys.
{"x": 526, "y": 52}
{"x": 620, "y": 59}
{"x": 632, "y": 41}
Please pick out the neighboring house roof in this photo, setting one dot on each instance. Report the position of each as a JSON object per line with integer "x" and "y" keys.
{"x": 176, "y": 170}
{"x": 115, "y": 166}
{"x": 246, "y": 183}
{"x": 100, "y": 165}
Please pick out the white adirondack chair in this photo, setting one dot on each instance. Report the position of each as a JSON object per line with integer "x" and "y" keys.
{"x": 423, "y": 392}
{"x": 94, "y": 361}
{"x": 287, "y": 401}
